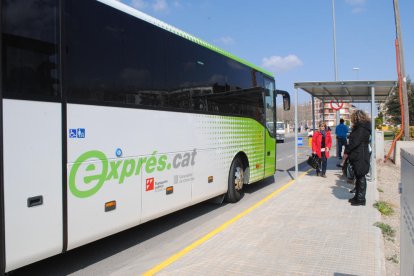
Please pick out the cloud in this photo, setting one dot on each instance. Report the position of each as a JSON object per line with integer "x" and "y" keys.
{"x": 281, "y": 64}
{"x": 160, "y": 5}
{"x": 139, "y": 4}
{"x": 358, "y": 10}
{"x": 156, "y": 5}
{"x": 226, "y": 40}
{"x": 357, "y": 5}
{"x": 356, "y": 2}
{"x": 177, "y": 4}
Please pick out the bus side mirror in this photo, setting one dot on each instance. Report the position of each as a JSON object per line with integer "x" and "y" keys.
{"x": 286, "y": 99}
{"x": 286, "y": 102}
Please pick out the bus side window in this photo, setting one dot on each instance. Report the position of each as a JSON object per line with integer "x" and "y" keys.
{"x": 30, "y": 50}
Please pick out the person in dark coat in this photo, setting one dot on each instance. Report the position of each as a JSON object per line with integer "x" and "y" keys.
{"x": 358, "y": 153}
{"x": 321, "y": 144}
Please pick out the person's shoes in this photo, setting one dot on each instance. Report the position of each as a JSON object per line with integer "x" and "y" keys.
{"x": 357, "y": 202}
{"x": 323, "y": 175}
{"x": 353, "y": 191}
{"x": 351, "y": 199}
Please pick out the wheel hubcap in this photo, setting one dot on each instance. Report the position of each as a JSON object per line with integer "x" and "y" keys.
{"x": 238, "y": 178}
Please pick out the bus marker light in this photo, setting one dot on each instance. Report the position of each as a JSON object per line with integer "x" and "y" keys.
{"x": 258, "y": 166}
{"x": 109, "y": 206}
{"x": 210, "y": 179}
{"x": 169, "y": 190}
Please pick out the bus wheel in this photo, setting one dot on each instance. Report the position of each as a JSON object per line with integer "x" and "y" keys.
{"x": 236, "y": 180}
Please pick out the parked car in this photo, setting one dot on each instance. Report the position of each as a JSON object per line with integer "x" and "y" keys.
{"x": 280, "y": 130}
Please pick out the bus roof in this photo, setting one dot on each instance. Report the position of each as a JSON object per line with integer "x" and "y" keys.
{"x": 138, "y": 14}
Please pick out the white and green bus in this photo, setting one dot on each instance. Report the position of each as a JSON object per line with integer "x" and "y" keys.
{"x": 111, "y": 118}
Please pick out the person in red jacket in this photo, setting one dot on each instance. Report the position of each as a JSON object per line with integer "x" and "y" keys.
{"x": 321, "y": 144}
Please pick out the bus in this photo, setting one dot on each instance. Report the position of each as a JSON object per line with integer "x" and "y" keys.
{"x": 111, "y": 118}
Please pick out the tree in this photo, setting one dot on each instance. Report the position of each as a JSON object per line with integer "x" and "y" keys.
{"x": 392, "y": 105}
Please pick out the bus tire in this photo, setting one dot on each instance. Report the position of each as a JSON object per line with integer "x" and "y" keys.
{"x": 235, "y": 181}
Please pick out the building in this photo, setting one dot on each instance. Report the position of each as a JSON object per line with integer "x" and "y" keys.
{"x": 326, "y": 110}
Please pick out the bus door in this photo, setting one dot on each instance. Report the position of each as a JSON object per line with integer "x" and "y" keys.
{"x": 270, "y": 130}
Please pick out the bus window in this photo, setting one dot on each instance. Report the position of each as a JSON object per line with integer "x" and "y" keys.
{"x": 29, "y": 50}
{"x": 270, "y": 105}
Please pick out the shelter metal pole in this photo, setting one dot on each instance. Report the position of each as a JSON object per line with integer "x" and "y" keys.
{"x": 373, "y": 157}
{"x": 296, "y": 133}
{"x": 313, "y": 112}
{"x": 323, "y": 109}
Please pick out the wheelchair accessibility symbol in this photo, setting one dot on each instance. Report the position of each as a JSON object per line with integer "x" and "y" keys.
{"x": 77, "y": 133}
{"x": 72, "y": 133}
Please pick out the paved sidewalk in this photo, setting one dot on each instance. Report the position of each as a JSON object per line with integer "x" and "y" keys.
{"x": 307, "y": 229}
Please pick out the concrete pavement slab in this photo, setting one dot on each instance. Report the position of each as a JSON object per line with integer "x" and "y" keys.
{"x": 307, "y": 229}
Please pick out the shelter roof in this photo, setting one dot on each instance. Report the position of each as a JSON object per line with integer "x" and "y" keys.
{"x": 348, "y": 91}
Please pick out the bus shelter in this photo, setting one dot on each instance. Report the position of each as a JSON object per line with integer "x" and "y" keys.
{"x": 338, "y": 92}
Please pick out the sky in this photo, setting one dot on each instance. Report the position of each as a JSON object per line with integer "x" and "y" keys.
{"x": 294, "y": 38}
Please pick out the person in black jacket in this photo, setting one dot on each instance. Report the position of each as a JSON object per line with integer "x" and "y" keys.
{"x": 358, "y": 152}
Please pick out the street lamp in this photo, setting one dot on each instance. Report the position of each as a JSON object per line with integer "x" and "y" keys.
{"x": 335, "y": 64}
{"x": 356, "y": 69}
{"x": 357, "y": 72}
{"x": 334, "y": 39}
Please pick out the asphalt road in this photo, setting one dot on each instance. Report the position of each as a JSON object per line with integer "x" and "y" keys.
{"x": 138, "y": 249}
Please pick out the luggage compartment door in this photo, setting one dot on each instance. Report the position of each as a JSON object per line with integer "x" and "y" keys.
{"x": 32, "y": 181}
